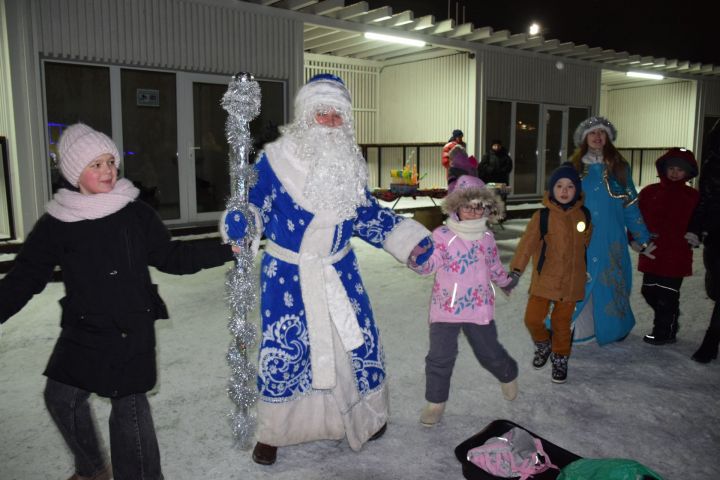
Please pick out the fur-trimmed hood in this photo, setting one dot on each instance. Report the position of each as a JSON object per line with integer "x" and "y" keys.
{"x": 473, "y": 192}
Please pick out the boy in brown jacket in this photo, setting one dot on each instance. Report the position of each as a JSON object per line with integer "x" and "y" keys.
{"x": 556, "y": 239}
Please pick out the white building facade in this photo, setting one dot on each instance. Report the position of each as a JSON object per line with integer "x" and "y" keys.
{"x": 150, "y": 74}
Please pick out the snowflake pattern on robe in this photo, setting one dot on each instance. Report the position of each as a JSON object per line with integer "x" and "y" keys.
{"x": 284, "y": 368}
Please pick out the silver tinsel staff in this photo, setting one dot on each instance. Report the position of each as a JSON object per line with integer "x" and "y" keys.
{"x": 242, "y": 102}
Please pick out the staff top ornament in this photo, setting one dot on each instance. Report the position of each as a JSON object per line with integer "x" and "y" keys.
{"x": 242, "y": 98}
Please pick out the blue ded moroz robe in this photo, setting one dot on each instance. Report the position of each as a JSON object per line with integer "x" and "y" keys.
{"x": 321, "y": 372}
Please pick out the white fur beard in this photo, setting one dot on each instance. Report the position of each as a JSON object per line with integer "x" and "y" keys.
{"x": 337, "y": 173}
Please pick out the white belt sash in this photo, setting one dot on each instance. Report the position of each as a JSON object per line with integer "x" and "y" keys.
{"x": 325, "y": 301}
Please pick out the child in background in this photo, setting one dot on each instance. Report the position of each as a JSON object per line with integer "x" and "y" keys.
{"x": 466, "y": 262}
{"x": 460, "y": 164}
{"x": 667, "y": 207}
{"x": 104, "y": 242}
{"x": 556, "y": 239}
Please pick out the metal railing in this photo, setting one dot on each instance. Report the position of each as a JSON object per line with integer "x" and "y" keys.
{"x": 425, "y": 157}
{"x": 642, "y": 163}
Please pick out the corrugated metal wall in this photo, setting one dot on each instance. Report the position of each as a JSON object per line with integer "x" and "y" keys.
{"x": 6, "y": 123}
{"x": 523, "y": 77}
{"x": 654, "y": 116}
{"x": 423, "y": 102}
{"x": 173, "y": 34}
{"x": 362, "y": 80}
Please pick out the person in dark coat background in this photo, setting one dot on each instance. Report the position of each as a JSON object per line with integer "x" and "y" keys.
{"x": 705, "y": 225}
{"x": 667, "y": 207}
{"x": 103, "y": 240}
{"x": 496, "y": 165}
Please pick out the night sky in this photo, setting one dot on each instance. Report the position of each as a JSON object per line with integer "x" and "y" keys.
{"x": 684, "y": 31}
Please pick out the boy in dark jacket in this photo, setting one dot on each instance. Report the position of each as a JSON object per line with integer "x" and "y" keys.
{"x": 667, "y": 207}
{"x": 559, "y": 271}
{"x": 103, "y": 240}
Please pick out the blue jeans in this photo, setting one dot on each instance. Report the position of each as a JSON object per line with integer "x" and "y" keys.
{"x": 133, "y": 443}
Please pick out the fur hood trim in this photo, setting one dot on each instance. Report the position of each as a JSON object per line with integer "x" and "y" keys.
{"x": 474, "y": 195}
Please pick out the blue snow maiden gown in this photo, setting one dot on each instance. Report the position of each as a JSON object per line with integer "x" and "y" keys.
{"x": 604, "y": 313}
{"x": 321, "y": 371}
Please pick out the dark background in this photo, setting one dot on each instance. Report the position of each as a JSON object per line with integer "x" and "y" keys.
{"x": 673, "y": 30}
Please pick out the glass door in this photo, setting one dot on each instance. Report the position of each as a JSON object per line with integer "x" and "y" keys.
{"x": 203, "y": 143}
{"x": 150, "y": 138}
{"x": 553, "y": 135}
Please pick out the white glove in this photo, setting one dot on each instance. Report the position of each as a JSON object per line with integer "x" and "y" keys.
{"x": 647, "y": 251}
{"x": 644, "y": 250}
{"x": 692, "y": 239}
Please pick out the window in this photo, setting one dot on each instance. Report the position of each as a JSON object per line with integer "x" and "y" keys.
{"x": 526, "y": 148}
{"x": 575, "y": 116}
{"x": 75, "y": 93}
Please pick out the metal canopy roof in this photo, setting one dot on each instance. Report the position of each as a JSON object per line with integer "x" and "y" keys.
{"x": 333, "y": 28}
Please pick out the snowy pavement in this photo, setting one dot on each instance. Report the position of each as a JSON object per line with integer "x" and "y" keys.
{"x": 630, "y": 399}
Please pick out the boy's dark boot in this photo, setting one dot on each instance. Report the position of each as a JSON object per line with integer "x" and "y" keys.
{"x": 264, "y": 454}
{"x": 559, "y": 368}
{"x": 542, "y": 352}
{"x": 666, "y": 322}
{"x": 663, "y": 331}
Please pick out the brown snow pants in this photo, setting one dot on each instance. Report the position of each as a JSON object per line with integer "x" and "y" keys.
{"x": 560, "y": 318}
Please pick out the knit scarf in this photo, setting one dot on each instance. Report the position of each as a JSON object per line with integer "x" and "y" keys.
{"x": 70, "y": 206}
{"x": 468, "y": 229}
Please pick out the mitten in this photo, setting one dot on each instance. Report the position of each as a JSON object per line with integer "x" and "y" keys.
{"x": 514, "y": 279}
{"x": 233, "y": 226}
{"x": 692, "y": 239}
{"x": 421, "y": 252}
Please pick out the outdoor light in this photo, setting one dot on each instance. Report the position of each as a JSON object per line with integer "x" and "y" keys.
{"x": 534, "y": 29}
{"x": 650, "y": 76}
{"x": 394, "y": 39}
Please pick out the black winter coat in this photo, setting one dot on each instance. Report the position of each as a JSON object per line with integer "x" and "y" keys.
{"x": 707, "y": 214}
{"x": 495, "y": 167}
{"x": 107, "y": 341}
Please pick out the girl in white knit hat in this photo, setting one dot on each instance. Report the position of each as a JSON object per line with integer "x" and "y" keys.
{"x": 103, "y": 241}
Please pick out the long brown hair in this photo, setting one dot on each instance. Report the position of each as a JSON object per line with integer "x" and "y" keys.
{"x": 615, "y": 162}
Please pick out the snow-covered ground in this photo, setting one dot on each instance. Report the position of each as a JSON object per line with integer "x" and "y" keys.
{"x": 630, "y": 399}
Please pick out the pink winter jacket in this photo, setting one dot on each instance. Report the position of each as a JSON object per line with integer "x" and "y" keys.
{"x": 464, "y": 269}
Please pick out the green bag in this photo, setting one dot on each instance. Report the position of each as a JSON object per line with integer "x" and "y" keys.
{"x": 607, "y": 469}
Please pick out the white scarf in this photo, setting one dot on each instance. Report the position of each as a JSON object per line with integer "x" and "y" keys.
{"x": 593, "y": 156}
{"x": 70, "y": 206}
{"x": 468, "y": 229}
